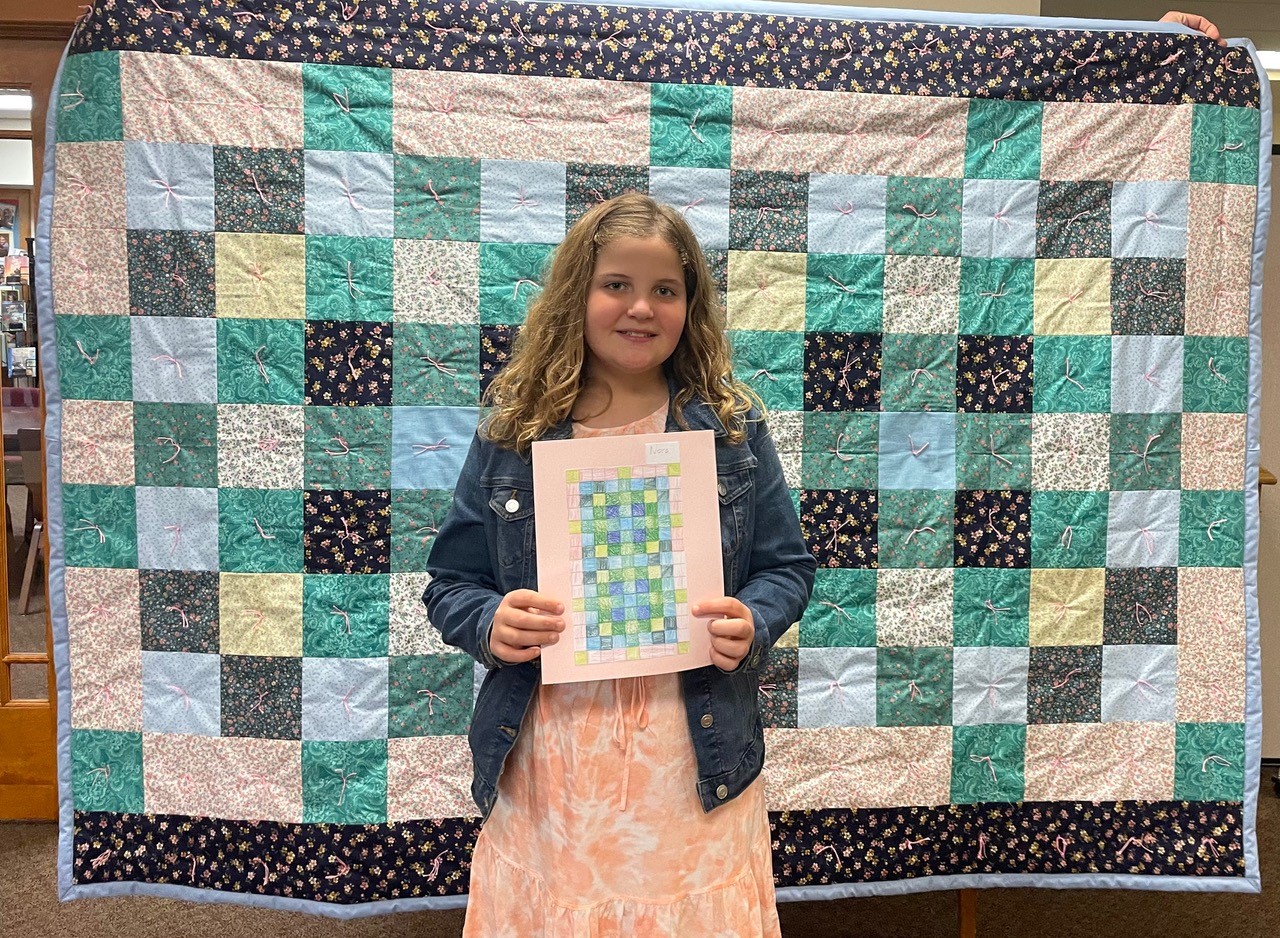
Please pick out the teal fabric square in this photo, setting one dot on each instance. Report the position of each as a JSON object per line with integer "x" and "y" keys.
{"x": 844, "y": 293}
{"x": 918, "y": 371}
{"x": 175, "y": 444}
{"x": 347, "y": 448}
{"x": 1209, "y": 762}
{"x": 987, "y": 763}
{"x": 1073, "y": 374}
{"x": 88, "y": 99}
{"x": 993, "y": 451}
{"x": 101, "y": 525}
{"x": 345, "y": 107}
{"x": 1224, "y": 144}
{"x": 437, "y": 198}
{"x": 435, "y": 363}
{"x": 259, "y": 530}
{"x": 260, "y": 361}
{"x": 429, "y": 695}
{"x": 416, "y": 516}
{"x": 916, "y": 528}
{"x": 997, "y": 296}
{"x": 95, "y": 360}
{"x": 349, "y": 278}
{"x": 1003, "y": 139}
{"x": 106, "y": 771}
{"x": 923, "y": 215}
{"x": 991, "y": 606}
{"x": 840, "y": 450}
{"x": 772, "y": 365}
{"x": 1211, "y": 529}
{"x": 913, "y": 686}
{"x": 345, "y": 615}
{"x": 344, "y": 782}
{"x": 1215, "y": 374}
{"x": 510, "y": 276}
{"x": 842, "y": 611}
{"x": 1146, "y": 452}
{"x": 1069, "y": 529}
{"x": 689, "y": 125}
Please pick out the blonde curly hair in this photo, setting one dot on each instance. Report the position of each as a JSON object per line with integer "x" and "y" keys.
{"x": 539, "y": 385}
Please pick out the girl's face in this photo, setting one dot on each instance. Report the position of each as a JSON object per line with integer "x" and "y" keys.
{"x": 636, "y": 307}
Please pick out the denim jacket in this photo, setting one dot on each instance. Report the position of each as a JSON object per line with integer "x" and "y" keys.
{"x": 486, "y": 548}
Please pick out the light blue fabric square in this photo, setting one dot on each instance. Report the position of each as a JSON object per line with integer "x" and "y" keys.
{"x": 177, "y": 528}
{"x": 990, "y": 685}
{"x": 1142, "y": 529}
{"x": 181, "y": 693}
{"x": 522, "y": 201}
{"x": 170, "y": 186}
{"x": 349, "y": 194}
{"x": 1149, "y": 219}
{"x": 1146, "y": 374}
{"x": 999, "y": 218}
{"x": 344, "y": 698}
{"x": 846, "y": 213}
{"x": 416, "y": 431}
{"x": 175, "y": 359}
{"x": 917, "y": 451}
{"x": 683, "y": 186}
{"x": 1139, "y": 683}
{"x": 836, "y": 687}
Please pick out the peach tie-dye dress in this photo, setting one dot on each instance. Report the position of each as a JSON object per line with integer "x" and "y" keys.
{"x": 598, "y": 830}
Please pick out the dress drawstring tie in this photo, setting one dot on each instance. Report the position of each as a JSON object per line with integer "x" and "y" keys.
{"x": 634, "y": 711}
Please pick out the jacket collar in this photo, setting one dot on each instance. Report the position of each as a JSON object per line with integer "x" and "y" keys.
{"x": 697, "y": 415}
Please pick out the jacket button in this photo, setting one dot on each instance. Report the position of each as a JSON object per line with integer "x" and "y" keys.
{"x": 722, "y": 792}
{"x": 722, "y": 489}
{"x": 512, "y": 505}
{"x": 707, "y": 720}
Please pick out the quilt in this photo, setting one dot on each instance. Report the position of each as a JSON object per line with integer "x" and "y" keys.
{"x": 997, "y": 279}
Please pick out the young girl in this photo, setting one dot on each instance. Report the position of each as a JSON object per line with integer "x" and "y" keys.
{"x": 632, "y": 806}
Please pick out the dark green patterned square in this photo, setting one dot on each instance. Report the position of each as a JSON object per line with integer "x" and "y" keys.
{"x": 916, "y": 528}
{"x": 429, "y": 695}
{"x": 913, "y": 686}
{"x": 1069, "y": 529}
{"x": 1211, "y": 529}
{"x": 771, "y": 364}
{"x": 1146, "y": 452}
{"x": 345, "y": 107}
{"x": 1209, "y": 762}
{"x": 416, "y": 516}
{"x": 993, "y": 451}
{"x": 260, "y": 530}
{"x": 101, "y": 526}
{"x": 260, "y": 361}
{"x": 1073, "y": 374}
{"x": 345, "y": 615}
{"x": 842, "y": 612}
{"x": 349, "y": 278}
{"x": 840, "y": 450}
{"x": 510, "y": 276}
{"x": 175, "y": 444}
{"x": 106, "y": 771}
{"x": 1215, "y": 374}
{"x": 347, "y": 448}
{"x": 95, "y": 361}
{"x": 436, "y": 363}
{"x": 923, "y": 216}
{"x": 987, "y": 763}
{"x": 1003, "y": 139}
{"x": 344, "y": 782}
{"x": 918, "y": 371}
{"x": 997, "y": 296}
{"x": 88, "y": 102}
{"x": 689, "y": 125}
{"x": 437, "y": 198}
{"x": 991, "y": 606}
{"x": 1224, "y": 144}
{"x": 844, "y": 293}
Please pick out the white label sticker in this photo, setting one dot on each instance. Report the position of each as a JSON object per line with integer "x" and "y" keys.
{"x": 662, "y": 452}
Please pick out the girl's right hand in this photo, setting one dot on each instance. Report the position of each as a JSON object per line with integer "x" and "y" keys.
{"x": 520, "y": 629}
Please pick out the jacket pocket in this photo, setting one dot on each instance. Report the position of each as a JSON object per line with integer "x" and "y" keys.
{"x": 734, "y": 491}
{"x": 513, "y": 511}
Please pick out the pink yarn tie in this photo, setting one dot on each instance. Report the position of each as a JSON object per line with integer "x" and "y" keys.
{"x": 823, "y": 848}
{"x": 432, "y": 696}
{"x": 987, "y": 760}
{"x": 346, "y": 616}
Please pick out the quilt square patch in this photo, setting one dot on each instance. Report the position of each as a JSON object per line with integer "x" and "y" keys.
{"x": 261, "y": 696}
{"x": 991, "y": 606}
{"x": 997, "y": 295}
{"x": 843, "y": 610}
{"x": 836, "y": 687}
{"x": 1064, "y": 685}
{"x": 436, "y": 197}
{"x": 260, "y": 190}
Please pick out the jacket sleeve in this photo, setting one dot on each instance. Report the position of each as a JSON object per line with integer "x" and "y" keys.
{"x": 463, "y": 596}
{"x": 781, "y": 572}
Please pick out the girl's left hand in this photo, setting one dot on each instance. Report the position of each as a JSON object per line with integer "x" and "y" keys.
{"x": 1194, "y": 21}
{"x": 731, "y": 635}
